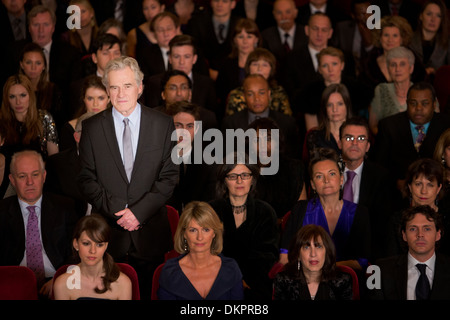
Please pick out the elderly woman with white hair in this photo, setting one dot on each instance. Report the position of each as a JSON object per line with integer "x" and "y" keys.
{"x": 390, "y": 97}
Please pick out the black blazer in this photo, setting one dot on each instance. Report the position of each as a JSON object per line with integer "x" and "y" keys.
{"x": 104, "y": 183}
{"x": 62, "y": 172}
{"x": 201, "y": 28}
{"x": 153, "y": 63}
{"x": 394, "y": 147}
{"x": 58, "y": 219}
{"x": 298, "y": 71}
{"x": 335, "y": 14}
{"x": 394, "y": 278}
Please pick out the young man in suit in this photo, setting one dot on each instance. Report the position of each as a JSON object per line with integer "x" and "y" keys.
{"x": 406, "y": 136}
{"x": 368, "y": 183}
{"x": 176, "y": 86}
{"x": 127, "y": 173}
{"x": 301, "y": 66}
{"x": 35, "y": 223}
{"x": 155, "y": 59}
{"x": 212, "y": 30}
{"x": 183, "y": 57}
{"x": 287, "y": 35}
{"x": 422, "y": 273}
{"x": 197, "y": 179}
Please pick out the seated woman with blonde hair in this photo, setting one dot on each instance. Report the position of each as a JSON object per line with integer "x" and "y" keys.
{"x": 100, "y": 276}
{"x": 201, "y": 272}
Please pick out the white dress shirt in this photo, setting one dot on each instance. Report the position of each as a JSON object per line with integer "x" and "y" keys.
{"x": 414, "y": 273}
{"x": 135, "y": 122}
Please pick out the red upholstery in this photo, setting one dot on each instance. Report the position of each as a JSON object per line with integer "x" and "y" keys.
{"x": 17, "y": 283}
{"x": 124, "y": 268}
{"x": 284, "y": 220}
{"x": 277, "y": 267}
{"x": 355, "y": 282}
{"x": 155, "y": 282}
{"x": 174, "y": 217}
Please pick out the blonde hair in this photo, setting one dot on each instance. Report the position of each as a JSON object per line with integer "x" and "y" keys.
{"x": 400, "y": 23}
{"x": 206, "y": 217}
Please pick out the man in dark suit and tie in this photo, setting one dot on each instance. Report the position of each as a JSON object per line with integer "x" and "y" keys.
{"x": 257, "y": 98}
{"x": 367, "y": 182}
{"x": 35, "y": 227}
{"x": 183, "y": 57}
{"x": 301, "y": 65}
{"x": 14, "y": 26}
{"x": 406, "y": 136}
{"x": 212, "y": 29}
{"x": 286, "y": 36}
{"x": 353, "y": 36}
{"x": 63, "y": 60}
{"x": 155, "y": 59}
{"x": 422, "y": 273}
{"x": 197, "y": 179}
{"x": 127, "y": 173}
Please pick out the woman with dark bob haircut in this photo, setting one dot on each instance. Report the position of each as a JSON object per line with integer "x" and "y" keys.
{"x": 311, "y": 273}
{"x": 250, "y": 225}
{"x": 100, "y": 275}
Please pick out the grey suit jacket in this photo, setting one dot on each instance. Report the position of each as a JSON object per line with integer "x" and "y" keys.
{"x": 104, "y": 183}
{"x": 439, "y": 57}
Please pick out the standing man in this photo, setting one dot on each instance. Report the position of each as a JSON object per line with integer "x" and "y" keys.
{"x": 287, "y": 35}
{"x": 127, "y": 173}
{"x": 422, "y": 273}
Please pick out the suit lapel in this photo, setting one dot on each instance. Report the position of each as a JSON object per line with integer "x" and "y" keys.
{"x": 111, "y": 139}
{"x": 402, "y": 275}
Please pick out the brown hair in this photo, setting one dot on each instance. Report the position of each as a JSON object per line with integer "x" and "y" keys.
{"x": 400, "y": 23}
{"x": 32, "y": 126}
{"x": 98, "y": 230}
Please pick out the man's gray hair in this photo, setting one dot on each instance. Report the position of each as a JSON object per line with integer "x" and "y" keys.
{"x": 121, "y": 63}
{"x": 12, "y": 166}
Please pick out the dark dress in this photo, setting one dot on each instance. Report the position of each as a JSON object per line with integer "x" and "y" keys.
{"x": 282, "y": 190}
{"x": 351, "y": 236}
{"x": 254, "y": 245}
{"x": 174, "y": 285}
{"x": 288, "y": 288}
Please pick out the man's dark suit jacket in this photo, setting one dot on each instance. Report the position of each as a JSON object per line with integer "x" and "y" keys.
{"x": 197, "y": 182}
{"x": 201, "y": 27}
{"x": 375, "y": 192}
{"x": 335, "y": 13}
{"x": 394, "y": 146}
{"x": 394, "y": 278}
{"x": 152, "y": 62}
{"x": 62, "y": 172}
{"x": 287, "y": 125}
{"x": 58, "y": 218}
{"x": 273, "y": 43}
{"x": 203, "y": 91}
{"x": 104, "y": 183}
{"x": 299, "y": 71}
{"x": 133, "y": 16}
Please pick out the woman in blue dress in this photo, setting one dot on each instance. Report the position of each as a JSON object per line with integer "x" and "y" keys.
{"x": 201, "y": 272}
{"x": 346, "y": 222}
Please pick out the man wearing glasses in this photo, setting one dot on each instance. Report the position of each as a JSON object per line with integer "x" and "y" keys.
{"x": 365, "y": 182}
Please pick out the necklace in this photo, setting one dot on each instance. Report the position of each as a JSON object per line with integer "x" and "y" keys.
{"x": 239, "y": 209}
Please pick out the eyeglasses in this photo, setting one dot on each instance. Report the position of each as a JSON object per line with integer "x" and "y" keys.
{"x": 234, "y": 176}
{"x": 358, "y": 138}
